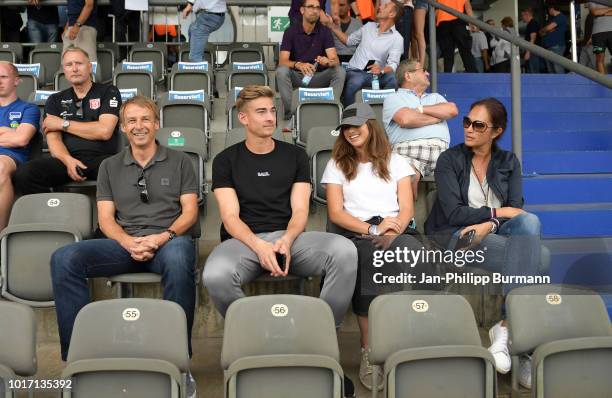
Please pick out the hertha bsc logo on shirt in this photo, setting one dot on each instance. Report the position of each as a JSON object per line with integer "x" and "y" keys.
{"x": 94, "y": 103}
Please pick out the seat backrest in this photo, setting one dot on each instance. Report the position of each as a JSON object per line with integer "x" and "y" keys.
{"x": 186, "y": 76}
{"x": 108, "y": 55}
{"x": 209, "y": 54}
{"x": 419, "y": 319}
{"x": 131, "y": 328}
{"x": 130, "y": 76}
{"x": 18, "y": 338}
{"x": 245, "y": 52}
{"x": 245, "y": 78}
{"x": 238, "y": 134}
{"x": 11, "y": 52}
{"x": 27, "y": 85}
{"x": 321, "y": 141}
{"x": 544, "y": 313}
{"x": 374, "y": 98}
{"x": 183, "y": 113}
{"x": 278, "y": 324}
{"x": 50, "y": 55}
{"x": 313, "y": 108}
{"x": 150, "y": 52}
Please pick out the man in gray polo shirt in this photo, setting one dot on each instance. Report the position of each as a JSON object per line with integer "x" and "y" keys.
{"x": 147, "y": 206}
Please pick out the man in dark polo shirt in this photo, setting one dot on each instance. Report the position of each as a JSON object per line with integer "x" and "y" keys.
{"x": 303, "y": 45}
{"x": 81, "y": 129}
{"x": 147, "y": 208}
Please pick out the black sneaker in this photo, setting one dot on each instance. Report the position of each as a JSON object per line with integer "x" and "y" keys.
{"x": 349, "y": 388}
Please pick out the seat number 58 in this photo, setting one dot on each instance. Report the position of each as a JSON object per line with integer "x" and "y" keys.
{"x": 279, "y": 310}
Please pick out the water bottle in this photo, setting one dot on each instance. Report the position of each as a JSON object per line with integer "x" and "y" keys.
{"x": 375, "y": 82}
{"x": 306, "y": 79}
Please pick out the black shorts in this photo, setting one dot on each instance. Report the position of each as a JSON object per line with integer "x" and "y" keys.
{"x": 601, "y": 41}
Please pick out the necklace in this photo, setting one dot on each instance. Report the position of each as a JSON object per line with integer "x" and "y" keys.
{"x": 485, "y": 194}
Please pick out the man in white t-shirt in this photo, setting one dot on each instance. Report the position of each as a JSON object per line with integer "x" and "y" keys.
{"x": 480, "y": 49}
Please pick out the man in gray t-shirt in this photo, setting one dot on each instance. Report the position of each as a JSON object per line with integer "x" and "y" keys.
{"x": 602, "y": 33}
{"x": 147, "y": 206}
{"x": 348, "y": 25}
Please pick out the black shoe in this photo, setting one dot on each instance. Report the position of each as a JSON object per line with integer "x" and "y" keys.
{"x": 349, "y": 388}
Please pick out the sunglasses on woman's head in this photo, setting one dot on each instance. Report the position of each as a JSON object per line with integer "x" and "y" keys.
{"x": 477, "y": 125}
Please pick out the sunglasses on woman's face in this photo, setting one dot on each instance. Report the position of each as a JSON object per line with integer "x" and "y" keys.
{"x": 477, "y": 125}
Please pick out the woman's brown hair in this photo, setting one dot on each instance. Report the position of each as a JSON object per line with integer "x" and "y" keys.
{"x": 377, "y": 148}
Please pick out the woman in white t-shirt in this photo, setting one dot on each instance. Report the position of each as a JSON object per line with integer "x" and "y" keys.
{"x": 369, "y": 199}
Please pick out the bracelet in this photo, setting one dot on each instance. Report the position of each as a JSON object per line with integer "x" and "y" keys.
{"x": 493, "y": 227}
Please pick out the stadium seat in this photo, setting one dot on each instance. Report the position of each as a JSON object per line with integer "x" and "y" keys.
{"x": 209, "y": 54}
{"x": 156, "y": 52}
{"x": 46, "y": 222}
{"x": 313, "y": 112}
{"x": 17, "y": 345}
{"x": 136, "y": 347}
{"x": 29, "y": 75}
{"x": 238, "y": 134}
{"x": 139, "y": 76}
{"x": 49, "y": 55}
{"x": 430, "y": 347}
{"x": 11, "y": 52}
{"x": 281, "y": 346}
{"x": 108, "y": 55}
{"x": 185, "y": 113}
{"x": 245, "y": 52}
{"x": 374, "y": 98}
{"x": 186, "y": 76}
{"x": 569, "y": 332}
{"x": 242, "y": 75}
{"x": 321, "y": 140}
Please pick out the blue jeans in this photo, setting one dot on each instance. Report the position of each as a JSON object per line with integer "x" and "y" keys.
{"x": 71, "y": 265}
{"x": 357, "y": 79}
{"x": 42, "y": 33}
{"x": 199, "y": 30}
{"x": 515, "y": 250}
{"x": 551, "y": 67}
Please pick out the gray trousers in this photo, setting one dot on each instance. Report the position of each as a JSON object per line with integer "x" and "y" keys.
{"x": 232, "y": 264}
{"x": 289, "y": 79}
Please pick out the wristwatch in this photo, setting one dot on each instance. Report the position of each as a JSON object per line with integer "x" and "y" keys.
{"x": 65, "y": 124}
{"x": 373, "y": 230}
{"x": 171, "y": 234}
{"x": 78, "y": 24}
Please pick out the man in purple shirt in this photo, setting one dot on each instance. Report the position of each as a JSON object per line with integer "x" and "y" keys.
{"x": 296, "y": 16}
{"x": 303, "y": 45}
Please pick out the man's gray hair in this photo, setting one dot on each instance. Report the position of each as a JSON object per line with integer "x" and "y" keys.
{"x": 405, "y": 66}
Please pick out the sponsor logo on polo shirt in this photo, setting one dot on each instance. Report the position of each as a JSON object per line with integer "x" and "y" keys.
{"x": 14, "y": 115}
{"x": 94, "y": 103}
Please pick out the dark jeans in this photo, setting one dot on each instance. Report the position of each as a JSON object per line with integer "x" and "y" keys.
{"x": 40, "y": 175}
{"x": 404, "y": 27}
{"x": 451, "y": 35}
{"x": 71, "y": 265}
{"x": 357, "y": 79}
{"x": 42, "y": 33}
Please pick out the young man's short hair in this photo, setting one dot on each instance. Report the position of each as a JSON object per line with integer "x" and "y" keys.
{"x": 252, "y": 92}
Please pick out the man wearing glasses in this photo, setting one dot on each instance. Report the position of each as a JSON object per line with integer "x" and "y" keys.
{"x": 415, "y": 121}
{"x": 148, "y": 211}
{"x": 308, "y": 49}
{"x": 80, "y": 127}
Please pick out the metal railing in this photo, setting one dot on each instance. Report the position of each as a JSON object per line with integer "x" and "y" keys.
{"x": 515, "y": 63}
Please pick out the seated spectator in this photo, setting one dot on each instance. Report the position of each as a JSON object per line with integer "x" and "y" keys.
{"x": 81, "y": 129}
{"x": 415, "y": 121}
{"x": 480, "y": 190}
{"x": 348, "y": 25}
{"x": 453, "y": 33}
{"x": 553, "y": 37}
{"x": 295, "y": 14}
{"x": 42, "y": 22}
{"x": 308, "y": 49}
{"x": 370, "y": 200}
{"x": 146, "y": 223}
{"x": 480, "y": 49}
{"x": 602, "y": 33}
{"x": 379, "y": 48}
{"x": 532, "y": 61}
{"x": 501, "y": 49}
{"x": 18, "y": 124}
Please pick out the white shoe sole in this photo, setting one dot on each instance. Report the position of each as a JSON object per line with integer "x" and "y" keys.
{"x": 498, "y": 369}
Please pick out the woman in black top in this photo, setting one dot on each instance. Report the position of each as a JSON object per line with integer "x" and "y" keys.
{"x": 480, "y": 190}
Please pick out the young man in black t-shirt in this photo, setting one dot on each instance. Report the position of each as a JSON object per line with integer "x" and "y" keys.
{"x": 81, "y": 129}
{"x": 262, "y": 187}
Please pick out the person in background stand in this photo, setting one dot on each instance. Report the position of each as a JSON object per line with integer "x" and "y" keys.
{"x": 453, "y": 33}
{"x": 348, "y": 25}
{"x": 42, "y": 22}
{"x": 554, "y": 37}
{"x": 500, "y": 60}
{"x": 602, "y": 33}
{"x": 480, "y": 49}
{"x": 418, "y": 33}
{"x": 404, "y": 27}
{"x": 532, "y": 61}
{"x": 81, "y": 29}
{"x": 210, "y": 15}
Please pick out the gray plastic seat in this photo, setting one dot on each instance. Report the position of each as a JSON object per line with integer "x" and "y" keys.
{"x": 313, "y": 113}
{"x": 374, "y": 98}
{"x": 156, "y": 52}
{"x": 29, "y": 76}
{"x": 321, "y": 141}
{"x": 241, "y": 78}
{"x": 128, "y": 345}
{"x": 11, "y": 52}
{"x": 238, "y": 134}
{"x": 429, "y": 346}
{"x": 45, "y": 221}
{"x": 187, "y": 80}
{"x": 245, "y": 52}
{"x": 17, "y": 344}
{"x": 49, "y": 55}
{"x": 141, "y": 79}
{"x": 108, "y": 54}
{"x": 281, "y": 346}
{"x": 186, "y": 114}
{"x": 569, "y": 332}
{"x": 209, "y": 54}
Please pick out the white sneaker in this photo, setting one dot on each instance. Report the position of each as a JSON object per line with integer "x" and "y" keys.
{"x": 525, "y": 371}
{"x": 366, "y": 370}
{"x": 499, "y": 348}
{"x": 190, "y": 386}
